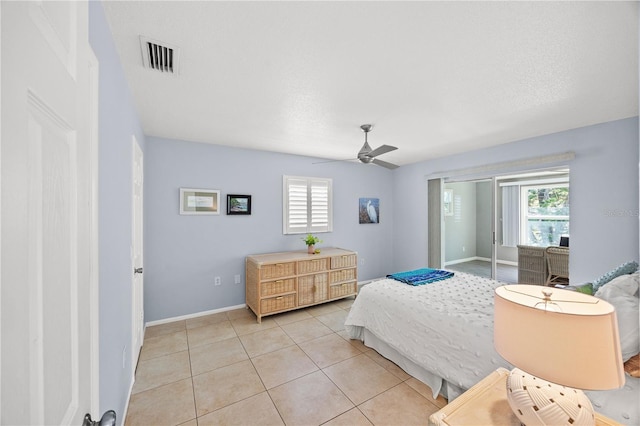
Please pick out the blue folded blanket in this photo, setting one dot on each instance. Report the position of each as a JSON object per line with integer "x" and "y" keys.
{"x": 421, "y": 276}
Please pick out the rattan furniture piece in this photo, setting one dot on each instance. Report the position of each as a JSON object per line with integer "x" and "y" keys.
{"x": 280, "y": 282}
{"x": 557, "y": 265}
{"x": 532, "y": 265}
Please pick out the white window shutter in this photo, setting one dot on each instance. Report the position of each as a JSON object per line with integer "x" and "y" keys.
{"x": 320, "y": 212}
{"x": 297, "y": 206}
{"x": 306, "y": 205}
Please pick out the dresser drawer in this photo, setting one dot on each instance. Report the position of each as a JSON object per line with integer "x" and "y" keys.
{"x": 342, "y": 275}
{"x": 344, "y": 261}
{"x": 531, "y": 251}
{"x": 270, "y": 288}
{"x": 277, "y": 270}
{"x": 314, "y": 265}
{"x": 278, "y": 303}
{"x": 343, "y": 289}
{"x": 532, "y": 263}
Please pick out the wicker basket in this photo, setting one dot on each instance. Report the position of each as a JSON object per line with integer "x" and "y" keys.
{"x": 315, "y": 265}
{"x": 345, "y": 261}
{"x": 343, "y": 275}
{"x": 278, "y": 270}
{"x": 278, "y": 303}
{"x": 278, "y": 287}
{"x": 340, "y": 290}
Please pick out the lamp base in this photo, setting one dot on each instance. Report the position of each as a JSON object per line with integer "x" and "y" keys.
{"x": 537, "y": 402}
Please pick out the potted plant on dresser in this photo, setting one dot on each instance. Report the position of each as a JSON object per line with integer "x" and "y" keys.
{"x": 311, "y": 241}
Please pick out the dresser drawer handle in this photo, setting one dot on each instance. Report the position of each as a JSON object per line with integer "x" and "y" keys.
{"x": 279, "y": 281}
{"x": 279, "y": 297}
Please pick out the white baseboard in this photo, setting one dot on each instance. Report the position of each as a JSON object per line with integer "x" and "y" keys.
{"x": 466, "y": 259}
{"x": 196, "y": 315}
{"x": 228, "y": 308}
{"x": 126, "y": 405}
{"x": 483, "y": 259}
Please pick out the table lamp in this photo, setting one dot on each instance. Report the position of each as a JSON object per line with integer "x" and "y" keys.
{"x": 560, "y": 341}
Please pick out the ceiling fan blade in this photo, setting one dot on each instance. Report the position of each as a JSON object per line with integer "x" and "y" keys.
{"x": 384, "y": 164}
{"x": 333, "y": 161}
{"x": 381, "y": 150}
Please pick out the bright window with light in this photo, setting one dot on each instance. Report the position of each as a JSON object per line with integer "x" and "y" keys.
{"x": 307, "y": 205}
{"x": 545, "y": 214}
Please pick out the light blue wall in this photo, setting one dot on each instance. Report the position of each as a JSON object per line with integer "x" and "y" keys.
{"x": 604, "y": 194}
{"x": 117, "y": 123}
{"x": 183, "y": 254}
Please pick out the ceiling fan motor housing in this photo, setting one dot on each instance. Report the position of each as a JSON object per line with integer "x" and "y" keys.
{"x": 367, "y": 155}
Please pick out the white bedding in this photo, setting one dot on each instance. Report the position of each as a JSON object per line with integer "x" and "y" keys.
{"x": 446, "y": 328}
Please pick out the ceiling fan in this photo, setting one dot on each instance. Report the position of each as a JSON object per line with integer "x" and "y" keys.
{"x": 367, "y": 155}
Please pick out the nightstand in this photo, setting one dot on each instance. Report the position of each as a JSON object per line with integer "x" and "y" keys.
{"x": 486, "y": 404}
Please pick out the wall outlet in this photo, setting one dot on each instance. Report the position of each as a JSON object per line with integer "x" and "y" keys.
{"x": 464, "y": 249}
{"x": 217, "y": 281}
{"x": 237, "y": 279}
{"x": 362, "y": 261}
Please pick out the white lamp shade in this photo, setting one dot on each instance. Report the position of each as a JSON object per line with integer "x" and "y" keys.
{"x": 577, "y": 347}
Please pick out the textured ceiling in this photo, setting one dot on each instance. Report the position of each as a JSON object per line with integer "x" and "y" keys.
{"x": 434, "y": 78}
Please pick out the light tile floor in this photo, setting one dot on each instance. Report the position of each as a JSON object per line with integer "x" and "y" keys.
{"x": 481, "y": 268}
{"x": 296, "y": 368}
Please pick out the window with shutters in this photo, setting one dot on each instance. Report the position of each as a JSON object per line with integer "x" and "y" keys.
{"x": 307, "y": 205}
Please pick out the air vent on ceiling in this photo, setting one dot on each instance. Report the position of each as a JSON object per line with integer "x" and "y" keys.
{"x": 159, "y": 56}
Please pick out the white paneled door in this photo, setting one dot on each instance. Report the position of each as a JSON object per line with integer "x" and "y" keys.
{"x": 48, "y": 265}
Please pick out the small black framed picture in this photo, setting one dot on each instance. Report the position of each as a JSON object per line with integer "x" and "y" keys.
{"x": 238, "y": 204}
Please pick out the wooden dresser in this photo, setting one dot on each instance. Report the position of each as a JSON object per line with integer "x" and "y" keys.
{"x": 280, "y": 282}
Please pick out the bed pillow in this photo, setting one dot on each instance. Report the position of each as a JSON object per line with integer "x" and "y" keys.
{"x": 625, "y": 268}
{"x": 624, "y": 284}
{"x": 622, "y": 293}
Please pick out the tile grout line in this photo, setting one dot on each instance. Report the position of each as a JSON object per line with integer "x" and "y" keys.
{"x": 267, "y": 390}
{"x": 193, "y": 386}
{"x": 322, "y": 369}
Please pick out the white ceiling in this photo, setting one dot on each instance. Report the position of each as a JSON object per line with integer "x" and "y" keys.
{"x": 434, "y": 78}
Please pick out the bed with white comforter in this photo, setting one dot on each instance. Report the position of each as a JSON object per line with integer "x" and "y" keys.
{"x": 442, "y": 334}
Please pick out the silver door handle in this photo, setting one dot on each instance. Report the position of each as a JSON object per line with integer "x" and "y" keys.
{"x": 137, "y": 270}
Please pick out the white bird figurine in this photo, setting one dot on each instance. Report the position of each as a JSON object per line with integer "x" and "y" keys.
{"x": 371, "y": 211}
